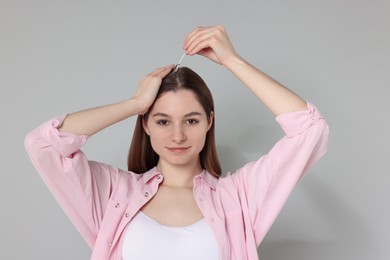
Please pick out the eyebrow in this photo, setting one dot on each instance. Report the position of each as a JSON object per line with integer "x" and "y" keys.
{"x": 186, "y": 115}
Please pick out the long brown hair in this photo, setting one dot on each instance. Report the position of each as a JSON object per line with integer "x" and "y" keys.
{"x": 142, "y": 157}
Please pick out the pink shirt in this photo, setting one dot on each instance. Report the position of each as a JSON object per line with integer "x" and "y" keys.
{"x": 101, "y": 200}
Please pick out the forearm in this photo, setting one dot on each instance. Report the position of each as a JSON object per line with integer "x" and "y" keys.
{"x": 276, "y": 97}
{"x": 90, "y": 121}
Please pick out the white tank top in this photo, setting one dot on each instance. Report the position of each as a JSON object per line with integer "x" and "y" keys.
{"x": 146, "y": 239}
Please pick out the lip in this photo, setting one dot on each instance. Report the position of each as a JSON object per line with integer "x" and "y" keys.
{"x": 178, "y": 149}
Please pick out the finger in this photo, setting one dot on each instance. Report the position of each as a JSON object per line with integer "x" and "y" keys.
{"x": 166, "y": 70}
{"x": 202, "y": 41}
{"x": 158, "y": 70}
{"x": 204, "y": 38}
{"x": 157, "y": 73}
{"x": 194, "y": 31}
{"x": 194, "y": 34}
{"x": 202, "y": 48}
{"x": 162, "y": 70}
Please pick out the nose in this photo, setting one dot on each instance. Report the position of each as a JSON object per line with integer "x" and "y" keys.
{"x": 178, "y": 134}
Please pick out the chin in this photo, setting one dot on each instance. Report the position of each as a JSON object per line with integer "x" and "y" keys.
{"x": 179, "y": 160}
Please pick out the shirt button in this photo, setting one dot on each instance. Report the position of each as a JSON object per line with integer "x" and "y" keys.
{"x": 117, "y": 205}
{"x": 146, "y": 194}
{"x": 158, "y": 177}
{"x": 201, "y": 200}
{"x": 127, "y": 215}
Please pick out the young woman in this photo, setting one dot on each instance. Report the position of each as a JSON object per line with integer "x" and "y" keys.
{"x": 172, "y": 202}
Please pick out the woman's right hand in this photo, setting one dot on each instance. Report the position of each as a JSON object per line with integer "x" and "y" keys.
{"x": 148, "y": 88}
{"x": 90, "y": 121}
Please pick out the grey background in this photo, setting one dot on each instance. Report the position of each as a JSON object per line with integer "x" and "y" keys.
{"x": 58, "y": 57}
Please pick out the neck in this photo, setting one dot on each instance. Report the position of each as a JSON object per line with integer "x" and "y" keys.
{"x": 179, "y": 175}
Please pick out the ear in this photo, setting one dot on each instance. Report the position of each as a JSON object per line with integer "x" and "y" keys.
{"x": 211, "y": 120}
{"x": 145, "y": 125}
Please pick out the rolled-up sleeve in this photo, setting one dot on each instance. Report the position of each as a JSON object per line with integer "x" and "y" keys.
{"x": 81, "y": 187}
{"x": 264, "y": 185}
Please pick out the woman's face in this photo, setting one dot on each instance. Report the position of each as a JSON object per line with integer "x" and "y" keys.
{"x": 177, "y": 126}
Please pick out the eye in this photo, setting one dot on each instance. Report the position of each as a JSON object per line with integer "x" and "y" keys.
{"x": 162, "y": 122}
{"x": 192, "y": 121}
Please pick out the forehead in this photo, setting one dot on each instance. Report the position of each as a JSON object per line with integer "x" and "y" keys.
{"x": 180, "y": 102}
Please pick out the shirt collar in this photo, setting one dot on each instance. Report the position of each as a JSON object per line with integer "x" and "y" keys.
{"x": 209, "y": 179}
{"x": 147, "y": 176}
{"x": 205, "y": 176}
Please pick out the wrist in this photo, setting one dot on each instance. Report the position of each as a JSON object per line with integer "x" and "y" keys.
{"x": 234, "y": 62}
{"x": 135, "y": 106}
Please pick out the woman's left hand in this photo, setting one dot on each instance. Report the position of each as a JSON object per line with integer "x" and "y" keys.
{"x": 211, "y": 42}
